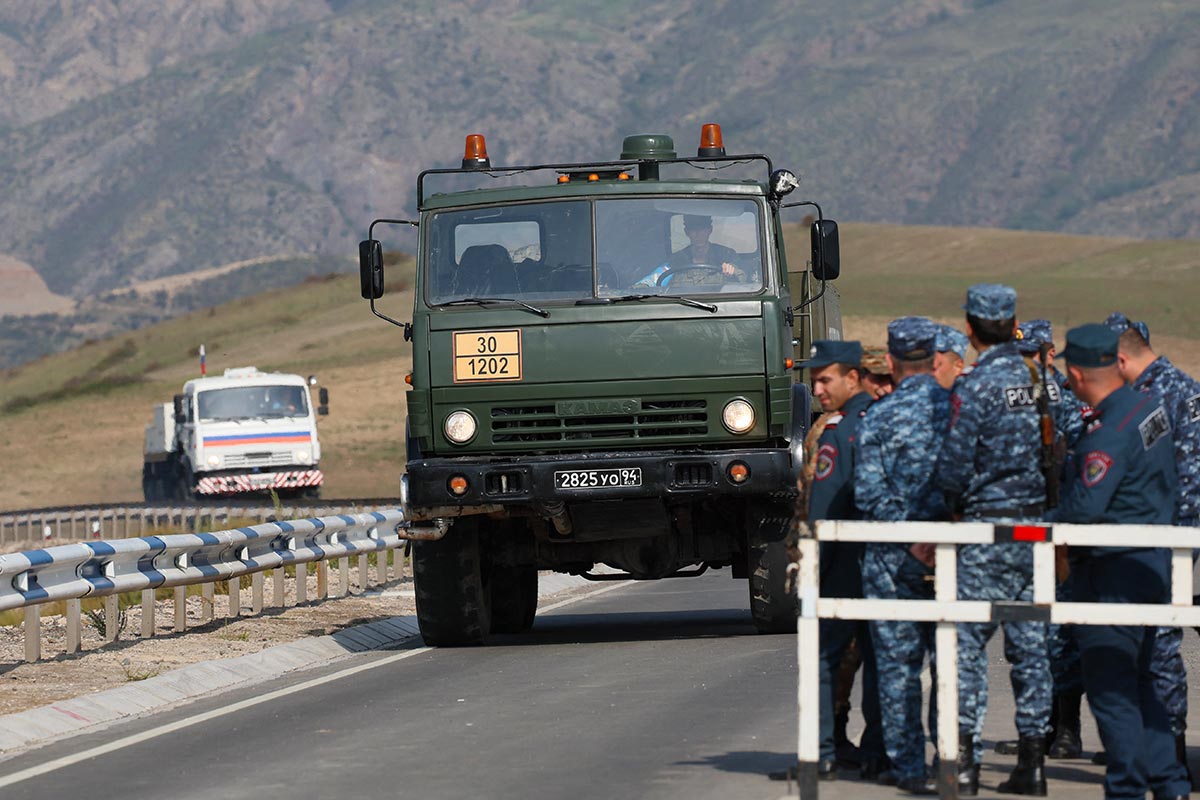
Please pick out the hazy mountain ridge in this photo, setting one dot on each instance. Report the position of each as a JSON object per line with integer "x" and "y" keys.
{"x": 148, "y": 138}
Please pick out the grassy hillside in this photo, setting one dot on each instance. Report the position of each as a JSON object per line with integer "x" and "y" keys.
{"x": 71, "y": 424}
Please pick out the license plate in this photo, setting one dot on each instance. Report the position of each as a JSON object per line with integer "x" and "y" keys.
{"x": 598, "y": 478}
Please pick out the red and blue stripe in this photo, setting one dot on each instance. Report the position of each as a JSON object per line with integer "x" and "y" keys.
{"x": 280, "y": 437}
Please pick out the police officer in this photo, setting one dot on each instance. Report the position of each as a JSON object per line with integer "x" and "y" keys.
{"x": 1179, "y": 394}
{"x": 1124, "y": 472}
{"x": 877, "y": 377}
{"x": 898, "y": 442}
{"x": 989, "y": 470}
{"x": 952, "y": 345}
{"x": 1063, "y": 736}
{"x": 836, "y": 372}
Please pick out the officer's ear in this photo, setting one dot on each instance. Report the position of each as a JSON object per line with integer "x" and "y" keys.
{"x": 1074, "y": 378}
{"x": 1123, "y": 365}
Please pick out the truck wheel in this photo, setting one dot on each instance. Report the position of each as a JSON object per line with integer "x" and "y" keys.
{"x": 773, "y": 608}
{"x": 150, "y": 483}
{"x": 452, "y": 597}
{"x": 185, "y": 484}
{"x": 514, "y": 597}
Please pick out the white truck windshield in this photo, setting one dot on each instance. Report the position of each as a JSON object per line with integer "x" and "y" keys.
{"x": 539, "y": 252}
{"x": 252, "y": 402}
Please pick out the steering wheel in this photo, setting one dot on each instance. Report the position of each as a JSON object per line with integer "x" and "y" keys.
{"x": 671, "y": 272}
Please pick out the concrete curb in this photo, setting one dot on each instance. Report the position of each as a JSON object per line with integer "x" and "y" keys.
{"x": 37, "y": 726}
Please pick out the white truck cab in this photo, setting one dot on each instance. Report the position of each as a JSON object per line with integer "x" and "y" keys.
{"x": 241, "y": 432}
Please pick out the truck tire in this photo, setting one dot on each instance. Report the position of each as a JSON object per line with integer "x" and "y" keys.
{"x": 514, "y": 597}
{"x": 150, "y": 484}
{"x": 453, "y": 607}
{"x": 185, "y": 482}
{"x": 773, "y": 608}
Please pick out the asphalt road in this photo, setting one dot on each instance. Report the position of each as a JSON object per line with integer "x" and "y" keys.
{"x": 649, "y": 690}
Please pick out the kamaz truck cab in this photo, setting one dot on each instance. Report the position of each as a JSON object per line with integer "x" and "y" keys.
{"x": 603, "y": 373}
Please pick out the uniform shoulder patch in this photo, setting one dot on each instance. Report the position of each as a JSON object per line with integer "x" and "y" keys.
{"x": 1192, "y": 404}
{"x": 826, "y": 459}
{"x": 1154, "y": 427}
{"x": 1095, "y": 467}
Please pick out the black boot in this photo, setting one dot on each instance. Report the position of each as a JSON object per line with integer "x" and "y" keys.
{"x": 847, "y": 752}
{"x": 1009, "y": 747}
{"x": 968, "y": 770}
{"x": 1066, "y": 743}
{"x": 1029, "y": 776}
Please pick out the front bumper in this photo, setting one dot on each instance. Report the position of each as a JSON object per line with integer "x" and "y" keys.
{"x": 242, "y": 483}
{"x": 522, "y": 481}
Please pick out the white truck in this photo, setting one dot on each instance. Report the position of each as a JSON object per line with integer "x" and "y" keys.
{"x": 232, "y": 435}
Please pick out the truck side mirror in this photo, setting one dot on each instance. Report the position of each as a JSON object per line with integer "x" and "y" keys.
{"x": 323, "y": 401}
{"x": 370, "y": 268}
{"x": 180, "y": 409}
{"x": 826, "y": 259}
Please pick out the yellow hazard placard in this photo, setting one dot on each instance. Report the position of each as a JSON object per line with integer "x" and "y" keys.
{"x": 487, "y": 356}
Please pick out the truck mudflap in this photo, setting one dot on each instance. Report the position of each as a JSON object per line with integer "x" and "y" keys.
{"x": 257, "y": 482}
{"x": 437, "y": 482}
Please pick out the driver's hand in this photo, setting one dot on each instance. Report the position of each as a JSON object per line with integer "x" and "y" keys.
{"x": 728, "y": 269}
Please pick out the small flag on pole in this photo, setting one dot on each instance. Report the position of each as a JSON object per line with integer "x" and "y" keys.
{"x": 203, "y": 368}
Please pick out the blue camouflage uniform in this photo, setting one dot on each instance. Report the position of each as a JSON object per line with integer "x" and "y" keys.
{"x": 989, "y": 470}
{"x": 1179, "y": 394}
{"x": 1123, "y": 473}
{"x": 898, "y": 442}
{"x": 831, "y": 496}
{"x": 1067, "y": 409}
{"x": 1064, "y": 653}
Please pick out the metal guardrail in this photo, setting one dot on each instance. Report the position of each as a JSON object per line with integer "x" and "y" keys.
{"x": 946, "y": 610}
{"x": 123, "y": 520}
{"x": 107, "y": 568}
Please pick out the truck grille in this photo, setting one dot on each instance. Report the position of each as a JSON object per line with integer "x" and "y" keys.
{"x": 257, "y": 460}
{"x": 657, "y": 419}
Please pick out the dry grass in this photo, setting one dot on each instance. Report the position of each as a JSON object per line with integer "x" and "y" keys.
{"x": 73, "y": 432}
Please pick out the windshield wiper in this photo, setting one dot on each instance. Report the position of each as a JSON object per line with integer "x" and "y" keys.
{"x": 486, "y": 301}
{"x": 687, "y": 301}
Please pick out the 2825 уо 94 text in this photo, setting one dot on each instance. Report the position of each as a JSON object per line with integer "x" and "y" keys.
{"x": 598, "y": 478}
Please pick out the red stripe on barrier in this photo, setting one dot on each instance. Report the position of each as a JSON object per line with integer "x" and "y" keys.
{"x": 1030, "y": 533}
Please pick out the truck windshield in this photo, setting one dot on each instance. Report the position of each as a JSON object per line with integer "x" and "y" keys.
{"x": 252, "y": 402}
{"x": 540, "y": 252}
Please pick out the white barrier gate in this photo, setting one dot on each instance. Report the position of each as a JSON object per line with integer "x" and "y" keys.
{"x": 946, "y": 610}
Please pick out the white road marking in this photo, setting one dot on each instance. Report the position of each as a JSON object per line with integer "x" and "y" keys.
{"x": 137, "y": 738}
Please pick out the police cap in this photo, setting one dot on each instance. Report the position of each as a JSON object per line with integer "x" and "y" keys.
{"x": 1121, "y": 323}
{"x": 1093, "y": 345}
{"x": 912, "y": 338}
{"x": 830, "y": 351}
{"x": 1032, "y": 334}
{"x": 992, "y": 301}
{"x": 950, "y": 340}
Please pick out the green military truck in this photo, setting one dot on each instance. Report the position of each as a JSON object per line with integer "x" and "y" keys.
{"x": 603, "y": 374}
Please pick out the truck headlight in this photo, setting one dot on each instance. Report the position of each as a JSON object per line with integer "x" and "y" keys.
{"x": 738, "y": 416}
{"x": 460, "y": 427}
{"x": 214, "y": 461}
{"x": 301, "y": 456}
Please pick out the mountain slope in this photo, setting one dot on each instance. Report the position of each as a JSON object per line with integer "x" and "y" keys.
{"x": 145, "y": 139}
